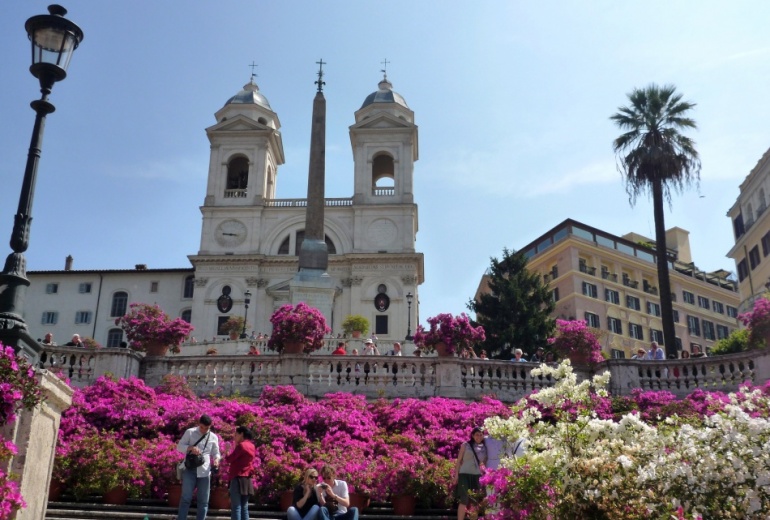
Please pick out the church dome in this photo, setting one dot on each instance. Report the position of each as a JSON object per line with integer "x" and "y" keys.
{"x": 385, "y": 94}
{"x": 249, "y": 95}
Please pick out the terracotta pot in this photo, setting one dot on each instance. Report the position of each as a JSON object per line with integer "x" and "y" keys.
{"x": 155, "y": 349}
{"x": 219, "y": 498}
{"x": 116, "y": 495}
{"x": 234, "y": 335}
{"x": 285, "y": 500}
{"x": 359, "y": 500}
{"x": 293, "y": 347}
{"x": 55, "y": 490}
{"x": 174, "y": 495}
{"x": 356, "y": 333}
{"x": 442, "y": 350}
{"x": 403, "y": 505}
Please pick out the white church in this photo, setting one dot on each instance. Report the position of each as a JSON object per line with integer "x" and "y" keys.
{"x": 250, "y": 239}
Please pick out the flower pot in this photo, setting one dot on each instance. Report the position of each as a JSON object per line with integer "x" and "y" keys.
{"x": 293, "y": 347}
{"x": 287, "y": 497}
{"x": 356, "y": 333}
{"x": 234, "y": 335}
{"x": 174, "y": 495}
{"x": 219, "y": 498}
{"x": 403, "y": 505}
{"x": 55, "y": 490}
{"x": 116, "y": 496}
{"x": 359, "y": 500}
{"x": 155, "y": 349}
{"x": 442, "y": 350}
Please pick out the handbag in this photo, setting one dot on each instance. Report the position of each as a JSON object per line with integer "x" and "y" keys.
{"x": 332, "y": 505}
{"x": 194, "y": 460}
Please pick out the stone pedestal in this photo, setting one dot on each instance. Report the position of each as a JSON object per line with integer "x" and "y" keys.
{"x": 315, "y": 288}
{"x": 35, "y": 433}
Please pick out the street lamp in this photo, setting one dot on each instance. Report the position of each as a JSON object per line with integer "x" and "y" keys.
{"x": 53, "y": 39}
{"x": 246, "y": 302}
{"x": 409, "y": 336}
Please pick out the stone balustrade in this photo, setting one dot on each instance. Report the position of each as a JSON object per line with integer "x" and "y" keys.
{"x": 234, "y": 372}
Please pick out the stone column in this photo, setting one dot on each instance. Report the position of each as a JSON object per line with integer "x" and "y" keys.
{"x": 35, "y": 434}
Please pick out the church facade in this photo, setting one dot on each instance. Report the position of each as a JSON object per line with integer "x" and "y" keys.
{"x": 250, "y": 239}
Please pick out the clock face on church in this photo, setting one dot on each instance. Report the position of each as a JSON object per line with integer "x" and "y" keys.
{"x": 230, "y": 233}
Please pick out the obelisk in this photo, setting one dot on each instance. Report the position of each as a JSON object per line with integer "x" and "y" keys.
{"x": 312, "y": 284}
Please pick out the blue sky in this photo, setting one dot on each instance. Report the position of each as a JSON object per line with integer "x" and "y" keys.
{"x": 512, "y": 100}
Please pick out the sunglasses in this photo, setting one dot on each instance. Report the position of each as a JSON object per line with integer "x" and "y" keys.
{"x": 314, "y": 477}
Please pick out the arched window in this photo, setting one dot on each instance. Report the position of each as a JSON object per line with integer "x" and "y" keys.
{"x": 189, "y": 286}
{"x": 750, "y": 213}
{"x": 284, "y": 248}
{"x": 187, "y": 315}
{"x": 237, "y": 177}
{"x": 762, "y": 202}
{"x": 114, "y": 337}
{"x": 119, "y": 304}
{"x": 383, "y": 175}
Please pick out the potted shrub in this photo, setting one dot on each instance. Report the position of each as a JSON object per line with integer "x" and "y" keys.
{"x": 297, "y": 329}
{"x": 234, "y": 326}
{"x": 575, "y": 341}
{"x": 355, "y": 325}
{"x": 91, "y": 343}
{"x": 448, "y": 334}
{"x": 149, "y": 329}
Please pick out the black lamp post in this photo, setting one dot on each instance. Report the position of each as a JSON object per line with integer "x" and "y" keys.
{"x": 409, "y": 336}
{"x": 54, "y": 39}
{"x": 246, "y": 302}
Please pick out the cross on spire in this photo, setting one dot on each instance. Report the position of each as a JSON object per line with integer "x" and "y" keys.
{"x": 384, "y": 69}
{"x": 320, "y": 82}
{"x": 253, "y": 66}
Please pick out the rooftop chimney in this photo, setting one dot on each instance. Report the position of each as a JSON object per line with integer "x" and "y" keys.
{"x": 68, "y": 263}
{"x": 141, "y": 267}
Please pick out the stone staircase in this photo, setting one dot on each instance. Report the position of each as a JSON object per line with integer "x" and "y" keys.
{"x": 140, "y": 509}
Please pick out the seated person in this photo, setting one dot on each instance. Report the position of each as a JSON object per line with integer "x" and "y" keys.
{"x": 306, "y": 502}
{"x": 336, "y": 490}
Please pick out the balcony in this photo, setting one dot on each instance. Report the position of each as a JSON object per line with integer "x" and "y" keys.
{"x": 239, "y": 193}
{"x": 302, "y": 203}
{"x": 628, "y": 282}
{"x": 383, "y": 192}
{"x": 606, "y": 275}
{"x": 587, "y": 270}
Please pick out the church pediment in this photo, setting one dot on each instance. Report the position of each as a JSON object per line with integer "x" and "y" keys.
{"x": 382, "y": 121}
{"x": 279, "y": 288}
{"x": 238, "y": 123}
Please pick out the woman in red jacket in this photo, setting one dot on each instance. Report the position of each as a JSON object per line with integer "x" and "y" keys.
{"x": 239, "y": 475}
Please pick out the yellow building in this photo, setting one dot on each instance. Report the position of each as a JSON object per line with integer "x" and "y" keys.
{"x": 611, "y": 282}
{"x": 751, "y": 227}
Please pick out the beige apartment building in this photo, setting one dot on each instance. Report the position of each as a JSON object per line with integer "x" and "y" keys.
{"x": 611, "y": 283}
{"x": 751, "y": 227}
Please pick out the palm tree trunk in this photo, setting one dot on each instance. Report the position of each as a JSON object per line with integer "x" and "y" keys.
{"x": 666, "y": 307}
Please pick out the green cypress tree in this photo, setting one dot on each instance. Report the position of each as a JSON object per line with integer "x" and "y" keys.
{"x": 516, "y": 311}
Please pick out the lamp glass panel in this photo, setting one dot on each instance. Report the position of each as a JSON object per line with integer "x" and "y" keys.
{"x": 53, "y": 45}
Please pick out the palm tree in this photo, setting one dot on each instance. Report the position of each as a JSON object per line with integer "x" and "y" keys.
{"x": 654, "y": 155}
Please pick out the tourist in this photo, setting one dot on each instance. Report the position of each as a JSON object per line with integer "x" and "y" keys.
{"x": 198, "y": 440}
{"x": 539, "y": 356}
{"x": 340, "y": 349}
{"x": 517, "y": 356}
{"x": 253, "y": 350}
{"x": 483, "y": 355}
{"x": 550, "y": 358}
{"x": 370, "y": 349}
{"x": 640, "y": 354}
{"x": 685, "y": 354}
{"x": 48, "y": 340}
{"x": 239, "y": 474}
{"x": 396, "y": 350}
{"x": 75, "y": 342}
{"x": 697, "y": 352}
{"x": 336, "y": 490}
{"x": 306, "y": 502}
{"x": 656, "y": 353}
{"x": 467, "y": 471}
{"x": 418, "y": 352}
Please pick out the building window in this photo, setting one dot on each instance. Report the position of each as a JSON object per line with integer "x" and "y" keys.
{"x": 82, "y": 317}
{"x": 632, "y": 302}
{"x": 589, "y": 289}
{"x": 153, "y": 287}
{"x": 592, "y": 320}
{"x": 653, "y": 309}
{"x": 718, "y": 307}
{"x": 614, "y": 325}
{"x": 678, "y": 342}
{"x": 708, "y": 330}
{"x": 635, "y": 331}
{"x": 754, "y": 257}
{"x": 187, "y": 315}
{"x": 688, "y": 297}
{"x": 703, "y": 302}
{"x": 189, "y": 286}
{"x": 693, "y": 325}
{"x": 50, "y": 318}
{"x": 119, "y": 304}
{"x": 84, "y": 288}
{"x": 656, "y": 336}
{"x": 114, "y": 337}
{"x": 732, "y": 311}
{"x": 766, "y": 244}
{"x": 52, "y": 288}
{"x": 676, "y": 316}
{"x": 618, "y": 354}
{"x": 380, "y": 324}
{"x": 722, "y": 332}
{"x": 555, "y": 294}
{"x": 612, "y": 296}
{"x": 743, "y": 270}
{"x": 738, "y": 228}
{"x": 673, "y": 297}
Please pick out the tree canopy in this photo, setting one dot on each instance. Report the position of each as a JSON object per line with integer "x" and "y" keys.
{"x": 515, "y": 313}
